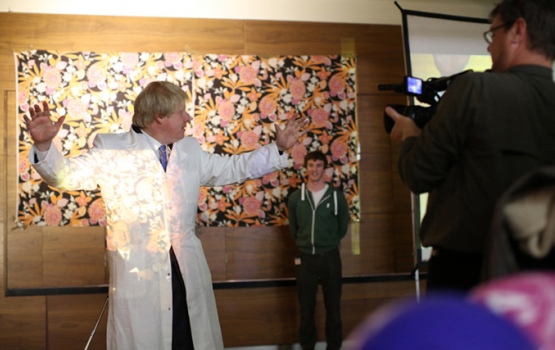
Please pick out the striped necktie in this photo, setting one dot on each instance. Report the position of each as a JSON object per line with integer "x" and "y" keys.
{"x": 163, "y": 156}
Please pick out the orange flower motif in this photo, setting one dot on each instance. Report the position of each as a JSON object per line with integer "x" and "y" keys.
{"x": 222, "y": 205}
{"x": 339, "y": 150}
{"x": 253, "y": 95}
{"x": 323, "y": 75}
{"x": 202, "y": 196}
{"x": 292, "y": 180}
{"x": 218, "y": 73}
{"x": 297, "y": 89}
{"x": 52, "y": 215}
{"x": 325, "y": 138}
{"x": 82, "y": 200}
{"x": 271, "y": 178}
{"x": 52, "y": 77}
{"x": 336, "y": 84}
{"x": 173, "y": 59}
{"x": 219, "y": 139}
{"x": 248, "y": 74}
{"x": 23, "y": 164}
{"x": 250, "y": 139}
{"x": 298, "y": 152}
{"x": 22, "y": 96}
{"x": 267, "y": 106}
{"x": 129, "y": 59}
{"x": 321, "y": 60}
{"x": 95, "y": 76}
{"x": 320, "y": 117}
{"x": 226, "y": 110}
{"x": 97, "y": 212}
{"x": 252, "y": 206}
{"x": 76, "y": 108}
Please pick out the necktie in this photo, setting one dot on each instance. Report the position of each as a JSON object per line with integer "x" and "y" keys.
{"x": 163, "y": 156}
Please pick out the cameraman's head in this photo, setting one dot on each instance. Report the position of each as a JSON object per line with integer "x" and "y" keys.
{"x": 519, "y": 25}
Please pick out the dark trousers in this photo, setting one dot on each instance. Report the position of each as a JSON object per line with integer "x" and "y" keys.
{"x": 182, "y": 339}
{"x": 453, "y": 271}
{"x": 324, "y": 269}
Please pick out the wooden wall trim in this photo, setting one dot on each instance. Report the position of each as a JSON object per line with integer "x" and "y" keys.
{"x": 283, "y": 282}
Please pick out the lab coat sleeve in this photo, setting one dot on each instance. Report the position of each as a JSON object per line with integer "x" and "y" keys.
{"x": 220, "y": 170}
{"x": 76, "y": 173}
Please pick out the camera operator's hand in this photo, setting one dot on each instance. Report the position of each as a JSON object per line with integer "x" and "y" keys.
{"x": 404, "y": 126}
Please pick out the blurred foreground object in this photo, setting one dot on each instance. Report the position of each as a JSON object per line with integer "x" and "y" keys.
{"x": 441, "y": 322}
{"x": 528, "y": 300}
{"x": 523, "y": 230}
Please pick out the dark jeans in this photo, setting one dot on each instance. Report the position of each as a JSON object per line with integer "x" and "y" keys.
{"x": 182, "y": 338}
{"x": 324, "y": 269}
{"x": 453, "y": 271}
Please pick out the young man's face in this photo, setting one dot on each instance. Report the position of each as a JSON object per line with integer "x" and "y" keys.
{"x": 315, "y": 170}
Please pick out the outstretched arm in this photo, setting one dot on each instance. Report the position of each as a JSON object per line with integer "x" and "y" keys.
{"x": 294, "y": 128}
{"x": 41, "y": 127}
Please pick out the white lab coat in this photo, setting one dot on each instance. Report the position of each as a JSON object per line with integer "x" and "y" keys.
{"x": 148, "y": 210}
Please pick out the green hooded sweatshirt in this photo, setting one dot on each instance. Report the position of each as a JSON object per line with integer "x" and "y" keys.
{"x": 318, "y": 228}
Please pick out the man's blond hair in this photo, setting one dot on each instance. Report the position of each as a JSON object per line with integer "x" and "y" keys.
{"x": 158, "y": 98}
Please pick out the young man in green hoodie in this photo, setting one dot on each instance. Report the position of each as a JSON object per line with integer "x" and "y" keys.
{"x": 318, "y": 220}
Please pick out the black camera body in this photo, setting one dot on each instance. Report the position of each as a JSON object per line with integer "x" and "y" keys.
{"x": 425, "y": 91}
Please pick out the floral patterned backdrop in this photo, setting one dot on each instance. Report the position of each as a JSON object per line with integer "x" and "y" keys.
{"x": 236, "y": 101}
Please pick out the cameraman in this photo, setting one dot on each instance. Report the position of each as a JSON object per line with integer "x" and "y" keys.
{"x": 489, "y": 129}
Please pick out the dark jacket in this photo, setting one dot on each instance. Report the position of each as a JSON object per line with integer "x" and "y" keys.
{"x": 489, "y": 129}
{"x": 318, "y": 229}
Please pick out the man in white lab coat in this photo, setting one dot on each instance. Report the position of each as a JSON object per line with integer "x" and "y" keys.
{"x": 151, "y": 194}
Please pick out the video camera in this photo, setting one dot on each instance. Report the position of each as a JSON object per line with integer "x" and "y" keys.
{"x": 425, "y": 91}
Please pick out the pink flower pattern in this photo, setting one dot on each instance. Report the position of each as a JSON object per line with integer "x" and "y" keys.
{"x": 239, "y": 99}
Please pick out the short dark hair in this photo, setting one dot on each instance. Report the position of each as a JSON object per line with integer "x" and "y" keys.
{"x": 316, "y": 155}
{"x": 539, "y": 16}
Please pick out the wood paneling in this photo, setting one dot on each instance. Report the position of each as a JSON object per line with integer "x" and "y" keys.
{"x": 71, "y": 321}
{"x": 273, "y": 313}
{"x": 80, "y": 266}
{"x": 23, "y": 323}
{"x": 45, "y": 257}
{"x": 259, "y": 253}
{"x": 214, "y": 246}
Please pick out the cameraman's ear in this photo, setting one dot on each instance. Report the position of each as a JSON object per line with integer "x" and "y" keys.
{"x": 519, "y": 32}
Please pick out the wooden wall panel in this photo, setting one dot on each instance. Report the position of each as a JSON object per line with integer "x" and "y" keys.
{"x": 214, "y": 246}
{"x": 81, "y": 265}
{"x": 23, "y": 323}
{"x": 97, "y": 33}
{"x": 258, "y": 316}
{"x": 259, "y": 253}
{"x": 264, "y": 316}
{"x": 24, "y": 258}
{"x": 377, "y": 251}
{"x": 71, "y": 321}
{"x": 40, "y": 257}
{"x": 4, "y": 96}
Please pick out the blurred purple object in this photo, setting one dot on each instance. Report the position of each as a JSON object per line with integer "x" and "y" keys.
{"x": 441, "y": 322}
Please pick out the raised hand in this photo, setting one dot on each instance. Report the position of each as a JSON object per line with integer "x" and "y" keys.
{"x": 294, "y": 128}
{"x": 41, "y": 127}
